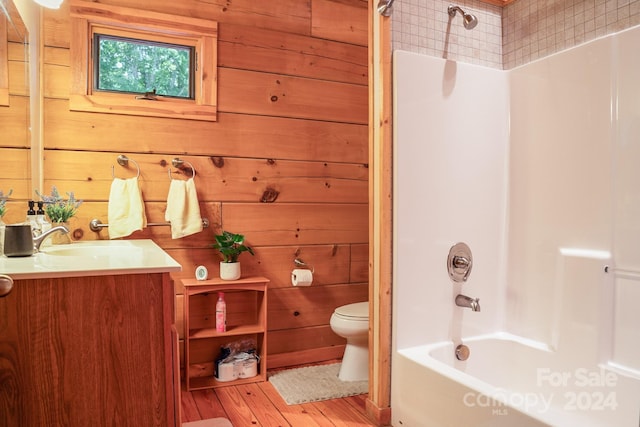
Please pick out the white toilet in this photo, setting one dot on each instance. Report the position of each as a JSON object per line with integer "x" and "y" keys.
{"x": 351, "y": 321}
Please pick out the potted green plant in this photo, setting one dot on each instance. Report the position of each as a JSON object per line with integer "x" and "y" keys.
{"x": 57, "y": 208}
{"x": 230, "y": 246}
{"x": 60, "y": 211}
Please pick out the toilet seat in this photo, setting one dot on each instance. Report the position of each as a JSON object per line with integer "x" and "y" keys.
{"x": 355, "y": 311}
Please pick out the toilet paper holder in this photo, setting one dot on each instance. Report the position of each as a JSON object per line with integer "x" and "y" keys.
{"x": 300, "y": 263}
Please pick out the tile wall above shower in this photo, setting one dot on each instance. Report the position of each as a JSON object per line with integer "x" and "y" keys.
{"x": 535, "y": 29}
{"x": 521, "y": 32}
{"x": 422, "y": 26}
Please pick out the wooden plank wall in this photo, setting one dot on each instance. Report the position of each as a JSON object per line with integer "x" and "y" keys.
{"x": 14, "y": 122}
{"x": 285, "y": 164}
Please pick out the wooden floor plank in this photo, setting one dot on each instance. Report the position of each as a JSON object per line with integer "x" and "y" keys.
{"x": 237, "y": 410}
{"x": 189, "y": 407}
{"x": 296, "y": 415}
{"x": 342, "y": 413}
{"x": 319, "y": 417}
{"x": 358, "y": 401}
{"x": 261, "y": 406}
{"x": 208, "y": 404}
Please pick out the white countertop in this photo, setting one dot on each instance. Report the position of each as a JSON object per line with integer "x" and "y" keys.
{"x": 91, "y": 258}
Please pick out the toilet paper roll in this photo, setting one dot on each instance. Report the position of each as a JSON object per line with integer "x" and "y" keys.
{"x": 301, "y": 277}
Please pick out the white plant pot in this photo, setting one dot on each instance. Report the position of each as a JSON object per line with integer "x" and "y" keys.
{"x": 229, "y": 270}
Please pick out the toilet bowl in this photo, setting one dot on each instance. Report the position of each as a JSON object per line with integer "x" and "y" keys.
{"x": 351, "y": 321}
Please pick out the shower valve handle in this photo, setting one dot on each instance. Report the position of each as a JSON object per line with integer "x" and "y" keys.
{"x": 459, "y": 262}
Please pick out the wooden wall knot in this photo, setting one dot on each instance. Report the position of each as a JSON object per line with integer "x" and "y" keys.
{"x": 270, "y": 195}
{"x": 186, "y": 170}
{"x": 77, "y": 234}
{"x": 218, "y": 161}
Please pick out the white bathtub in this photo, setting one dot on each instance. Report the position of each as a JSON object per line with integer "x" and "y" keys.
{"x": 508, "y": 381}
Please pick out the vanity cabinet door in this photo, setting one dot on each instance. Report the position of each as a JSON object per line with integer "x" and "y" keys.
{"x": 87, "y": 351}
{"x": 10, "y": 353}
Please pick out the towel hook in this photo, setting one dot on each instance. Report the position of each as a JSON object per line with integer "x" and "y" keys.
{"x": 124, "y": 161}
{"x": 178, "y": 163}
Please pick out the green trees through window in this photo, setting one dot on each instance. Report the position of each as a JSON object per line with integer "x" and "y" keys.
{"x": 139, "y": 66}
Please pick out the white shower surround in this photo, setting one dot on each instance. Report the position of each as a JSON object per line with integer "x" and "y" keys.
{"x": 536, "y": 170}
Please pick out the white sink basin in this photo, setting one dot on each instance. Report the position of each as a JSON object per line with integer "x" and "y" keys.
{"x": 95, "y": 257}
{"x": 93, "y": 249}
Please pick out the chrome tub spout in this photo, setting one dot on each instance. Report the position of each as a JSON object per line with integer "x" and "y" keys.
{"x": 468, "y": 302}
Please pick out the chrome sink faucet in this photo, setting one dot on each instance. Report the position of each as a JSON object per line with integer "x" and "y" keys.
{"x": 468, "y": 302}
{"x": 37, "y": 240}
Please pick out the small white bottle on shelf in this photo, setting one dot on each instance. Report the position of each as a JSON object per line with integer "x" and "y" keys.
{"x": 43, "y": 223}
{"x": 32, "y": 219}
{"x": 221, "y": 313}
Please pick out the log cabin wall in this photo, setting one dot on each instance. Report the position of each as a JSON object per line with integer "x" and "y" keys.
{"x": 14, "y": 117}
{"x": 285, "y": 164}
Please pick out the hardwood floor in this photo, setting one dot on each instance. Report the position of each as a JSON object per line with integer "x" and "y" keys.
{"x": 260, "y": 405}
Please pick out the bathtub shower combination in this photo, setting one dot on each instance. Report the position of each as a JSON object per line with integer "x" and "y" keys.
{"x": 535, "y": 171}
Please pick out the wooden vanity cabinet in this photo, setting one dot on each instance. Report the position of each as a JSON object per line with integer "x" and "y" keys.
{"x": 89, "y": 351}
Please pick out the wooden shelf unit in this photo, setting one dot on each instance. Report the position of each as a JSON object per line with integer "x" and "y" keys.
{"x": 246, "y": 300}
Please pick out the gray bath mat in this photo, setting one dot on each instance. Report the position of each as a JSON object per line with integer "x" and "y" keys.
{"x": 314, "y": 383}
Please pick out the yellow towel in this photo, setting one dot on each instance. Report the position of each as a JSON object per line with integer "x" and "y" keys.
{"x": 126, "y": 208}
{"x": 183, "y": 209}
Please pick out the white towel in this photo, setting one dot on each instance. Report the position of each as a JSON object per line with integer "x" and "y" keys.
{"x": 183, "y": 209}
{"x": 126, "y": 208}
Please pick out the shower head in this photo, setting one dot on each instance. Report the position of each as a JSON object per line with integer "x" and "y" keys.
{"x": 470, "y": 21}
{"x": 384, "y": 7}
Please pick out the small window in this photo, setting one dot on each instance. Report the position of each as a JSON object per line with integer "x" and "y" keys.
{"x": 143, "y": 67}
{"x": 135, "y": 62}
